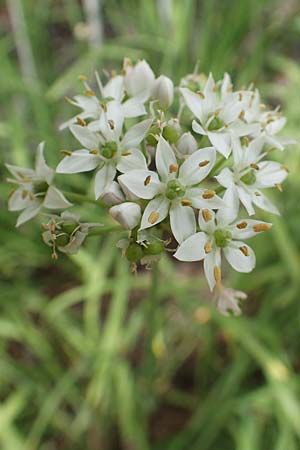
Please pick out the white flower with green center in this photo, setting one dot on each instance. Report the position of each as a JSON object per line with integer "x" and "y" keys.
{"x": 35, "y": 189}
{"x": 222, "y": 232}
{"x": 228, "y": 300}
{"x": 250, "y": 174}
{"x": 173, "y": 190}
{"x": 108, "y": 150}
{"x": 218, "y": 118}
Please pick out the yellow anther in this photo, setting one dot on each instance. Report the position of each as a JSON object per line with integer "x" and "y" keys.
{"x": 66, "y": 152}
{"x": 147, "y": 180}
{"x": 24, "y": 194}
{"x": 208, "y": 247}
{"x": 111, "y": 124}
{"x": 206, "y": 214}
{"x": 94, "y": 151}
{"x": 203, "y": 163}
{"x": 241, "y": 225}
{"x": 254, "y": 166}
{"x": 127, "y": 153}
{"x": 258, "y": 194}
{"x": 68, "y": 100}
{"x": 200, "y": 93}
{"x": 104, "y": 107}
{"x": 279, "y": 187}
{"x": 285, "y": 168}
{"x": 153, "y": 217}
{"x": 261, "y": 227}
{"x": 90, "y": 92}
{"x": 202, "y": 315}
{"x": 215, "y": 88}
{"x": 263, "y": 106}
{"x": 240, "y": 97}
{"x": 186, "y": 202}
{"x": 82, "y": 78}
{"x": 173, "y": 168}
{"x": 242, "y": 115}
{"x": 81, "y": 122}
{"x": 208, "y": 194}
{"x": 217, "y": 274}
{"x": 244, "y": 250}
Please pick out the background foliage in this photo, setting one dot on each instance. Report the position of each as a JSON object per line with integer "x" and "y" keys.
{"x": 76, "y": 369}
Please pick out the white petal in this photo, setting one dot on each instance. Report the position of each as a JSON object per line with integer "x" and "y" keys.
{"x": 164, "y": 158}
{"x": 195, "y": 195}
{"x": 270, "y": 173}
{"x": 114, "y": 88}
{"x": 276, "y": 125}
{"x": 182, "y": 221}
{"x": 237, "y": 259}
{"x": 197, "y": 128}
{"x": 133, "y": 108}
{"x": 133, "y": 159}
{"x": 103, "y": 179}
{"x": 86, "y": 137}
{"x": 142, "y": 183}
{"x": 225, "y": 177}
{"x": 239, "y": 128}
{"x": 156, "y": 209}
{"x": 206, "y": 220}
{"x": 21, "y": 173}
{"x": 264, "y": 203}
{"x": 246, "y": 200}
{"x": 43, "y": 171}
{"x": 139, "y": 81}
{"x": 17, "y": 200}
{"x": 136, "y": 134}
{"x": 28, "y": 213}
{"x": 192, "y": 249}
{"x": 128, "y": 214}
{"x": 191, "y": 172}
{"x": 230, "y": 111}
{"x": 221, "y": 141}
{"x": 229, "y": 212}
{"x": 194, "y": 102}
{"x": 78, "y": 161}
{"x": 211, "y": 261}
{"x": 247, "y": 230}
{"x": 55, "y": 199}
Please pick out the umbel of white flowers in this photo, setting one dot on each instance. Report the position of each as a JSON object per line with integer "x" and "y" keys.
{"x": 184, "y": 174}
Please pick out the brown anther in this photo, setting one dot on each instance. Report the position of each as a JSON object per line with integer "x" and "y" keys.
{"x": 203, "y": 163}
{"x": 173, "y": 168}
{"x": 94, "y": 151}
{"x": 104, "y": 107}
{"x": 186, "y": 202}
{"x": 66, "y": 152}
{"x": 206, "y": 214}
{"x": 261, "y": 227}
{"x": 279, "y": 187}
{"x": 240, "y": 97}
{"x": 147, "y": 180}
{"x": 244, "y": 250}
{"x": 127, "y": 153}
{"x": 241, "y": 225}
{"x": 217, "y": 274}
{"x": 81, "y": 122}
{"x": 263, "y": 106}
{"x": 153, "y": 217}
{"x": 242, "y": 115}
{"x": 254, "y": 166}
{"x": 208, "y": 194}
{"x": 111, "y": 124}
{"x": 215, "y": 88}
{"x": 123, "y": 72}
{"x": 258, "y": 194}
{"x": 54, "y": 256}
{"x": 200, "y": 93}
{"x": 24, "y": 194}
{"x": 90, "y": 93}
{"x": 285, "y": 168}
{"x": 208, "y": 247}
{"x": 82, "y": 78}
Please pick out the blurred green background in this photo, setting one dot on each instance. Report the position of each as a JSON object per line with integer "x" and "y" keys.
{"x": 77, "y": 370}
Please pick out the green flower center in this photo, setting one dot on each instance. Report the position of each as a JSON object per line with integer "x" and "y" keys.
{"x": 40, "y": 187}
{"x": 215, "y": 124}
{"x": 249, "y": 178}
{"x": 222, "y": 238}
{"x": 109, "y": 149}
{"x": 174, "y": 190}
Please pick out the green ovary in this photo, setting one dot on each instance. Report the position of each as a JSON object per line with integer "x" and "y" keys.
{"x": 109, "y": 149}
{"x": 215, "y": 124}
{"x": 222, "y": 238}
{"x": 174, "y": 190}
{"x": 249, "y": 178}
{"x": 40, "y": 187}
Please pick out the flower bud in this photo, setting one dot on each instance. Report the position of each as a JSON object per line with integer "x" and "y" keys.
{"x": 113, "y": 195}
{"x": 139, "y": 80}
{"x": 163, "y": 91}
{"x": 128, "y": 214}
{"x": 134, "y": 252}
{"x": 187, "y": 144}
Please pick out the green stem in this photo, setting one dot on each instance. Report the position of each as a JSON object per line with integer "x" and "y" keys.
{"x": 83, "y": 199}
{"x": 105, "y": 229}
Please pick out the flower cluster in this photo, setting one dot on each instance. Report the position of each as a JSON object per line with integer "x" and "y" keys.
{"x": 182, "y": 167}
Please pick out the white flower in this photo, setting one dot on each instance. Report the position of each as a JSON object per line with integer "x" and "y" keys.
{"x": 222, "y": 232}
{"x": 66, "y": 233}
{"x": 113, "y": 194}
{"x": 250, "y": 174}
{"x": 35, "y": 189}
{"x": 174, "y": 189}
{"x": 138, "y": 80}
{"x": 227, "y": 300}
{"x": 186, "y": 145}
{"x": 128, "y": 214}
{"x": 107, "y": 150}
{"x": 218, "y": 118}
{"x": 163, "y": 91}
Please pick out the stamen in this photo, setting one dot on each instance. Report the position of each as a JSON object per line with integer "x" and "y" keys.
{"x": 173, "y": 168}
{"x": 261, "y": 227}
{"x": 153, "y": 217}
{"x": 126, "y": 153}
{"x": 104, "y": 107}
{"x": 206, "y": 214}
{"x": 208, "y": 247}
{"x": 254, "y": 166}
{"x": 217, "y": 274}
{"x": 81, "y": 122}
{"x": 66, "y": 152}
{"x": 203, "y": 163}
{"x": 82, "y": 78}
{"x": 147, "y": 180}
{"x": 279, "y": 187}
{"x": 242, "y": 115}
{"x": 90, "y": 93}
{"x": 240, "y": 97}
{"x": 24, "y": 194}
{"x": 200, "y": 93}
{"x": 258, "y": 194}
{"x": 208, "y": 194}
{"x": 241, "y": 225}
{"x": 186, "y": 203}
{"x": 94, "y": 151}
{"x": 285, "y": 168}
{"x": 111, "y": 124}
{"x": 244, "y": 250}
